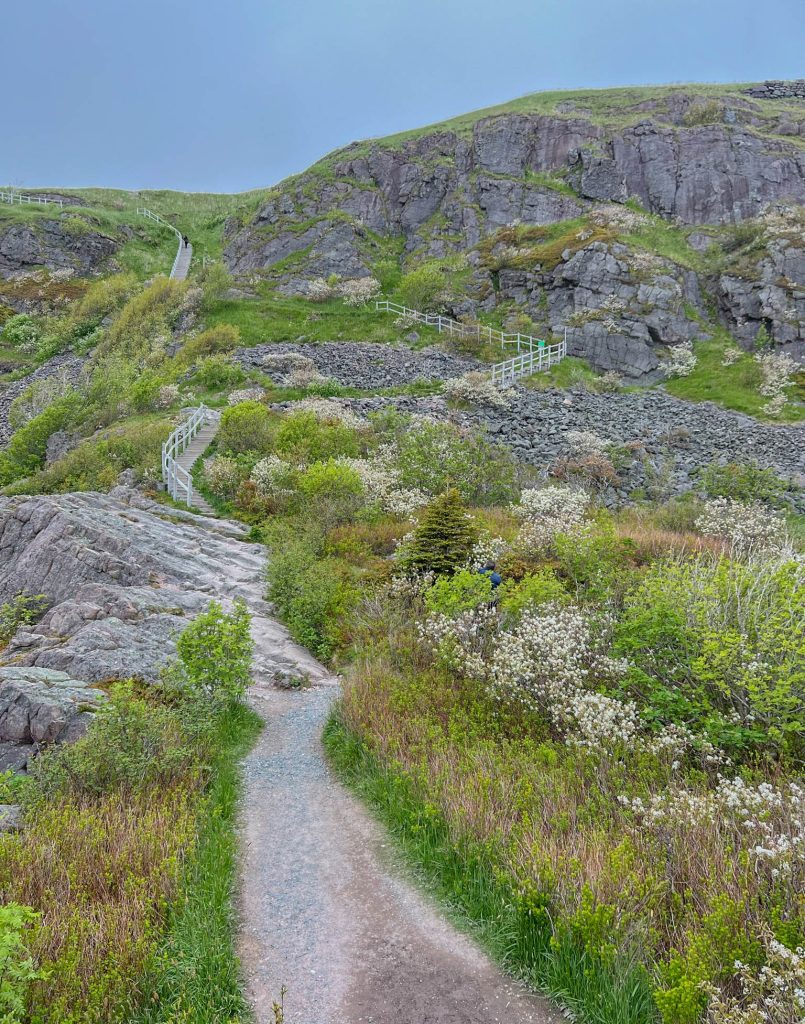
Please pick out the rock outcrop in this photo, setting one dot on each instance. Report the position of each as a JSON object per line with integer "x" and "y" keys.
{"x": 123, "y": 577}
{"x": 693, "y": 159}
{"x": 53, "y": 243}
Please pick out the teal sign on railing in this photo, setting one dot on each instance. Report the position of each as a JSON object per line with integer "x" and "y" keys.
{"x": 541, "y": 344}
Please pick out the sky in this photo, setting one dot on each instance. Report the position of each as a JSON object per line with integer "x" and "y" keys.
{"x": 210, "y": 95}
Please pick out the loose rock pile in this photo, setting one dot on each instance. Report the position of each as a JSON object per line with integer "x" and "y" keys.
{"x": 362, "y": 364}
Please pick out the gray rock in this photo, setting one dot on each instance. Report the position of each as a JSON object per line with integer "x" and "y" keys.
{"x": 39, "y": 706}
{"x": 49, "y": 243}
{"x": 10, "y": 818}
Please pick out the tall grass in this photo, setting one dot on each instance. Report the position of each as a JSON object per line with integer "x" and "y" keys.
{"x": 519, "y": 934}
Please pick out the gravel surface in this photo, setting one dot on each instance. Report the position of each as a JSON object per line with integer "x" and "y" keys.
{"x": 324, "y": 910}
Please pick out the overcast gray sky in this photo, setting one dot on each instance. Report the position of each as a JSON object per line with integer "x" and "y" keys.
{"x": 210, "y": 95}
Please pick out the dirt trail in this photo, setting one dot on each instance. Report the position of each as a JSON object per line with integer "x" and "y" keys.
{"x": 323, "y": 910}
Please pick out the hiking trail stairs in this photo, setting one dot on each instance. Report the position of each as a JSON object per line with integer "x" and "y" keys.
{"x": 533, "y": 354}
{"x": 184, "y": 254}
{"x": 180, "y": 451}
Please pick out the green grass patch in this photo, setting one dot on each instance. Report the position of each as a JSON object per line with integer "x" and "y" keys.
{"x": 194, "y": 976}
{"x": 733, "y": 387}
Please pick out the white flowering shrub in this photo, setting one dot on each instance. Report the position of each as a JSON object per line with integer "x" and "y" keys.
{"x": 775, "y": 406}
{"x": 272, "y": 477}
{"x": 682, "y": 361}
{"x": 224, "y": 476}
{"x": 168, "y": 396}
{"x": 358, "y": 291}
{"x": 771, "y": 994}
{"x": 404, "y": 322}
{"x": 282, "y": 362}
{"x": 328, "y": 410}
{"x": 777, "y": 369}
{"x": 382, "y": 488}
{"x": 748, "y": 527}
{"x": 305, "y": 377}
{"x": 585, "y": 442}
{"x": 246, "y": 395}
{"x": 476, "y": 388}
{"x": 546, "y": 511}
{"x": 318, "y": 290}
{"x": 731, "y": 356}
{"x": 613, "y": 215}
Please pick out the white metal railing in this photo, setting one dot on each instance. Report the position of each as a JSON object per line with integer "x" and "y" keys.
{"x": 539, "y": 357}
{"x": 178, "y": 480}
{"x": 10, "y": 196}
{"x": 532, "y": 356}
{"x": 166, "y": 223}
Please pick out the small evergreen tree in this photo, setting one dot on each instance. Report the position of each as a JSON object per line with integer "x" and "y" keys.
{"x": 444, "y": 538}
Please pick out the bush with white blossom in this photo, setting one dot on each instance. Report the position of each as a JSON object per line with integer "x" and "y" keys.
{"x": 476, "y": 388}
{"x": 748, "y": 527}
{"x": 245, "y": 395}
{"x": 681, "y": 361}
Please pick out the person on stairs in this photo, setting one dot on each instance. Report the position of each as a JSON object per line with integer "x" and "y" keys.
{"x": 186, "y": 241}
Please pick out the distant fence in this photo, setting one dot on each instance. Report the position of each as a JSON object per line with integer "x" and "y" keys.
{"x": 165, "y": 223}
{"x": 533, "y": 353}
{"x": 18, "y": 197}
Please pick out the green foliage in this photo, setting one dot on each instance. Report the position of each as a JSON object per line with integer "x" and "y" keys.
{"x": 21, "y": 330}
{"x": 17, "y": 969}
{"x": 332, "y": 493}
{"x": 451, "y": 595}
{"x": 246, "y": 427}
{"x": 194, "y": 974}
{"x": 217, "y": 372}
{"x": 96, "y": 463}
{"x": 302, "y": 437}
{"x": 595, "y": 563}
{"x": 141, "y": 330}
{"x": 26, "y": 450}
{"x": 721, "y": 644}
{"x": 133, "y": 744}
{"x": 423, "y": 288}
{"x": 213, "y": 341}
{"x": 443, "y": 538}
{"x": 436, "y": 456}
{"x": 20, "y": 611}
{"x": 215, "y": 280}
{"x": 531, "y": 591}
{"x": 388, "y": 273}
{"x": 216, "y": 651}
{"x": 312, "y": 595}
{"x": 742, "y": 481}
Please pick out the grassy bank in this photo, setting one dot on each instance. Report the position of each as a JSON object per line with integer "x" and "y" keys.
{"x": 465, "y": 878}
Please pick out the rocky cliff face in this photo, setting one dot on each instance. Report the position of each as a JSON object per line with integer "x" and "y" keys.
{"x": 52, "y": 243}
{"x": 445, "y": 192}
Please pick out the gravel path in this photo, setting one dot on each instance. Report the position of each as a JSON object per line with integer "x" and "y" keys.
{"x": 324, "y": 911}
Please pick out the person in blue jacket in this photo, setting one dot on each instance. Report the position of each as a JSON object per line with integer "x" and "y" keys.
{"x": 490, "y": 570}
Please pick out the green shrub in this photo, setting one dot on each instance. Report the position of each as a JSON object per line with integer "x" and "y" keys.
{"x": 246, "y": 427}
{"x": 26, "y": 450}
{"x": 531, "y": 591}
{"x": 216, "y": 651}
{"x": 388, "y": 272}
{"x": 302, "y": 437}
{"x": 221, "y": 338}
{"x": 96, "y": 464}
{"x": 17, "y": 968}
{"x": 21, "y": 611}
{"x": 313, "y": 596}
{"x": 721, "y": 644}
{"x": 215, "y": 280}
{"x": 214, "y": 373}
{"x": 742, "y": 481}
{"x": 443, "y": 539}
{"x": 332, "y": 493}
{"x": 451, "y": 595}
{"x": 141, "y": 330}
{"x": 423, "y": 288}
{"x": 21, "y": 330}
{"x": 435, "y": 456}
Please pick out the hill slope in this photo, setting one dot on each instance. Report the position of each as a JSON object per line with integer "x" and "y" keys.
{"x": 559, "y": 202}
